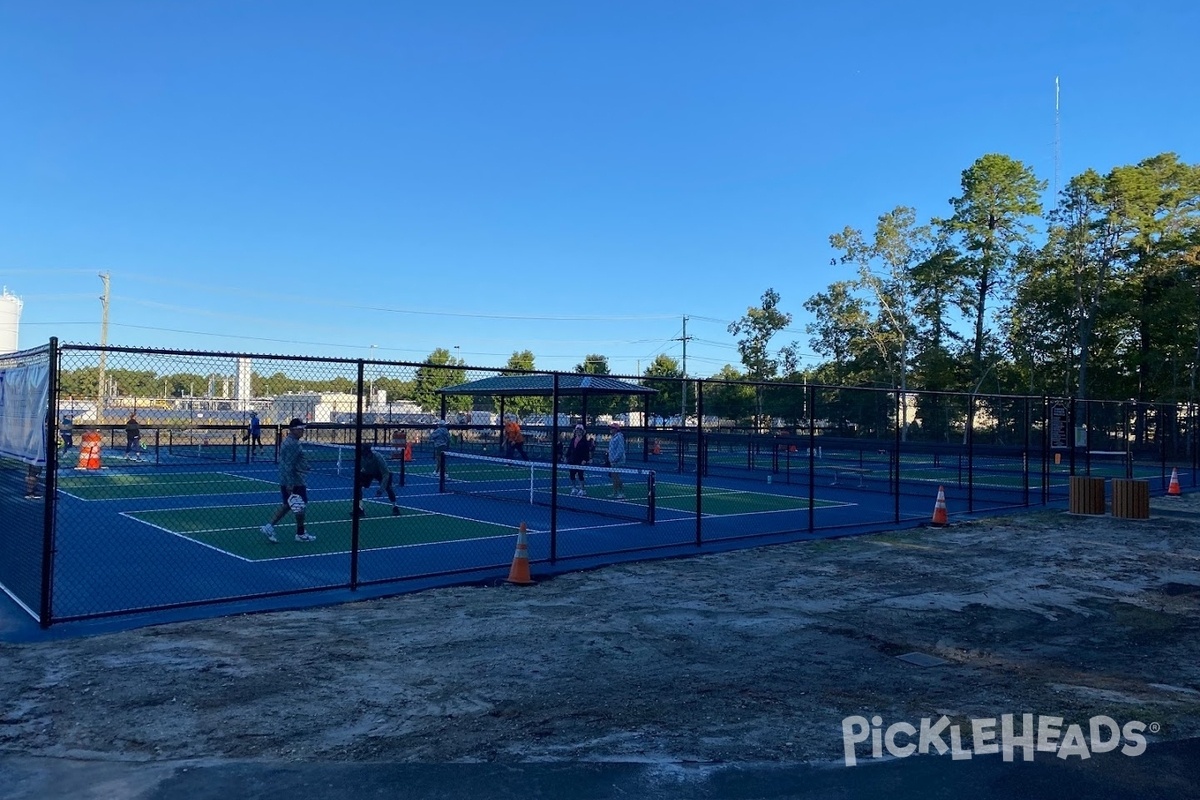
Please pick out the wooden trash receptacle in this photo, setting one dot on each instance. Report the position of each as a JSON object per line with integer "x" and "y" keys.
{"x": 1086, "y": 495}
{"x": 1130, "y": 499}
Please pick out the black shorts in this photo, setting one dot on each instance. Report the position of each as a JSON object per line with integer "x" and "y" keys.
{"x": 365, "y": 480}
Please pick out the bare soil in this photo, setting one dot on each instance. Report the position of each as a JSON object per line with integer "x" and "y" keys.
{"x": 748, "y": 656}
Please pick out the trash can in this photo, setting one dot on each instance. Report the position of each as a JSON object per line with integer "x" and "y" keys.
{"x": 1086, "y": 495}
{"x": 1130, "y": 499}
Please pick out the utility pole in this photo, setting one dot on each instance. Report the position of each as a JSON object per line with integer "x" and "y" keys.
{"x": 683, "y": 395}
{"x": 103, "y": 344}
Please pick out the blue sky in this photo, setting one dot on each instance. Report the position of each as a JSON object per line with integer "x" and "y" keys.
{"x": 564, "y": 177}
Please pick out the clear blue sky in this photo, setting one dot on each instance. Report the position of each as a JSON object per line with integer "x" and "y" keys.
{"x": 565, "y": 177}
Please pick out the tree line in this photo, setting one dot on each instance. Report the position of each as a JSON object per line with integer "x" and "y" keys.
{"x": 1097, "y": 297}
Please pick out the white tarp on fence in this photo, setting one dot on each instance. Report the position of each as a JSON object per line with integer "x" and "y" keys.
{"x": 24, "y": 400}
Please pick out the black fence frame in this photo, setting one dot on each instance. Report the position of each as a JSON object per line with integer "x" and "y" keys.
{"x": 886, "y": 430}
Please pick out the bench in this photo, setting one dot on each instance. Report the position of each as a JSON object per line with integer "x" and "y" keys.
{"x": 838, "y": 471}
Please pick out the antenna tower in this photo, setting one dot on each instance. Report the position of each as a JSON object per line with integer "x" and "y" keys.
{"x": 1057, "y": 141}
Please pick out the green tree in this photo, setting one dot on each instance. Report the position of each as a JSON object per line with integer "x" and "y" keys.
{"x": 280, "y": 383}
{"x": 1040, "y": 326}
{"x": 757, "y": 327}
{"x": 935, "y": 360}
{"x": 888, "y": 274}
{"x": 665, "y": 377}
{"x": 439, "y": 370}
{"x": 517, "y": 364}
{"x": 135, "y": 383}
{"x": 1161, "y": 196}
{"x": 727, "y": 396}
{"x": 1065, "y": 289}
{"x": 839, "y": 319}
{"x": 992, "y": 218}
{"x": 594, "y": 364}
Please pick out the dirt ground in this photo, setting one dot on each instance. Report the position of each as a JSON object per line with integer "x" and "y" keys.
{"x": 748, "y": 656}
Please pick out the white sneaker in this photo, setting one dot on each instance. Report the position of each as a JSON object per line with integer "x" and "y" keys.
{"x": 619, "y": 496}
{"x": 305, "y": 537}
{"x": 269, "y": 531}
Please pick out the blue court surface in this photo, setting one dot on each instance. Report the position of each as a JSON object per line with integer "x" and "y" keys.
{"x": 138, "y": 541}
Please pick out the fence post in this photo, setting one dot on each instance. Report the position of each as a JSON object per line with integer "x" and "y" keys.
{"x": 554, "y": 405}
{"x": 45, "y": 606}
{"x": 812, "y": 458}
{"x": 971, "y": 453}
{"x": 356, "y": 498}
{"x": 899, "y": 441}
{"x": 700, "y": 457}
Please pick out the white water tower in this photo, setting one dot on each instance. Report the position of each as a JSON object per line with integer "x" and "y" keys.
{"x": 10, "y": 321}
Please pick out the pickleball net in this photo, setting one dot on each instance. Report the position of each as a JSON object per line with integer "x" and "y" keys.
{"x": 531, "y": 482}
{"x": 338, "y": 459}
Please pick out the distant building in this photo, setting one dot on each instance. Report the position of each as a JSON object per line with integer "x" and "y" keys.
{"x": 10, "y": 322}
{"x": 309, "y": 406}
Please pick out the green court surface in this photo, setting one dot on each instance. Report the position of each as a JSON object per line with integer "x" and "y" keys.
{"x": 717, "y": 501}
{"x": 990, "y": 477}
{"x": 122, "y": 485}
{"x": 236, "y": 529}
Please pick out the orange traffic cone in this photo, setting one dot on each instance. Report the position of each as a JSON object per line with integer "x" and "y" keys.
{"x": 89, "y": 451}
{"x": 1173, "y": 489}
{"x": 519, "y": 573}
{"x": 408, "y": 452}
{"x": 939, "y": 509}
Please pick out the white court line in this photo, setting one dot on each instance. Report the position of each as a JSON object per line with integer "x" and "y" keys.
{"x": 417, "y": 513}
{"x": 637, "y": 525}
{"x": 140, "y": 496}
{"x": 257, "y": 530}
{"x": 187, "y": 538}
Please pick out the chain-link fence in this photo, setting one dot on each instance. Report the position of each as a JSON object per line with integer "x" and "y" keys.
{"x": 168, "y": 477}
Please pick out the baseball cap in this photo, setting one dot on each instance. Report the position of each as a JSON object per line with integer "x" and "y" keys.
{"x": 296, "y": 423}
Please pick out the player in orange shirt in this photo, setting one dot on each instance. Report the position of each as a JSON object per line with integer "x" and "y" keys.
{"x": 514, "y": 440}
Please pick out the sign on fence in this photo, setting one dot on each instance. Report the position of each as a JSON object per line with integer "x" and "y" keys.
{"x": 1058, "y": 426}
